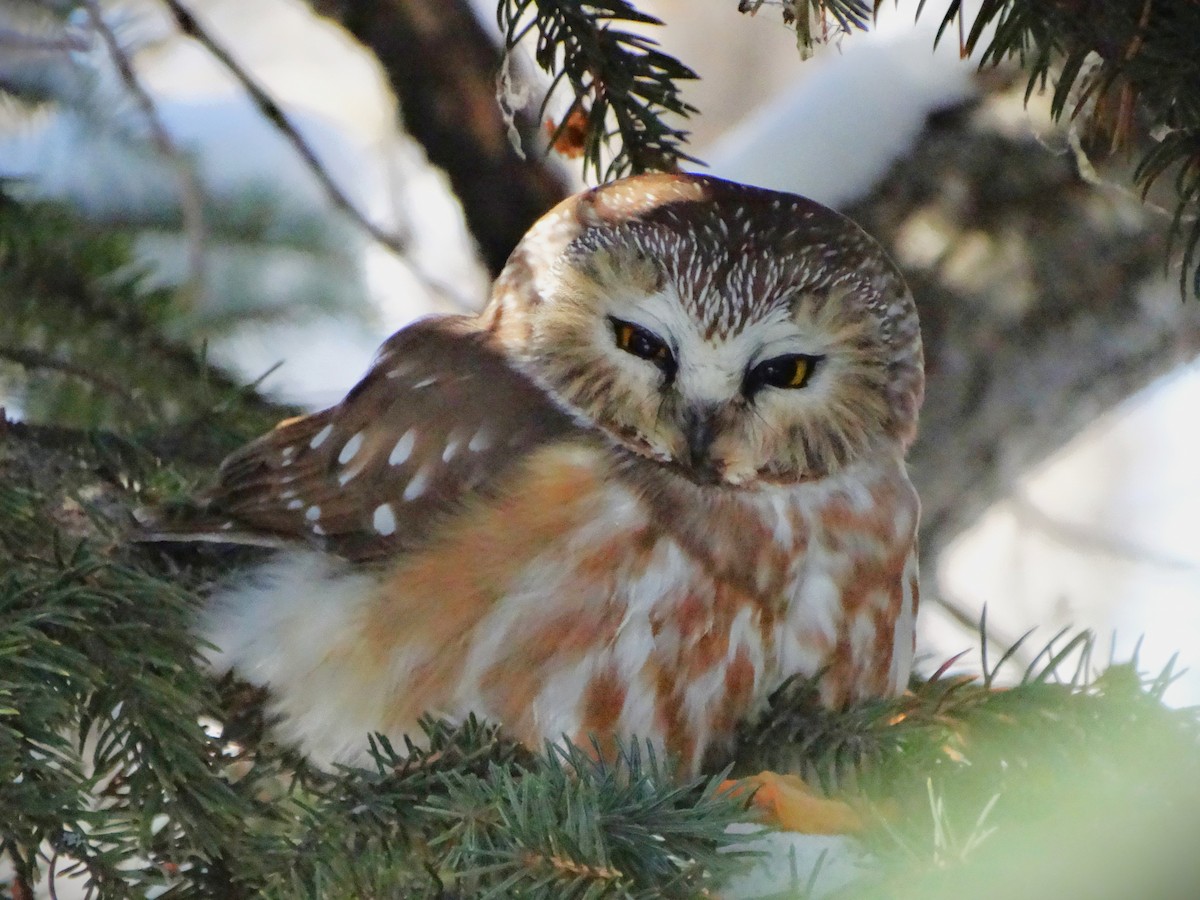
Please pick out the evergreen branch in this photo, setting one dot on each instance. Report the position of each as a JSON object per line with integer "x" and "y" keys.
{"x": 622, "y": 85}
{"x": 1109, "y": 60}
{"x": 812, "y": 18}
{"x": 939, "y": 719}
{"x": 492, "y": 819}
{"x": 100, "y": 698}
{"x": 65, "y": 288}
{"x": 102, "y": 751}
{"x": 271, "y": 111}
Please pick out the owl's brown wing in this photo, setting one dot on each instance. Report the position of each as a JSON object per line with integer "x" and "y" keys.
{"x": 440, "y": 416}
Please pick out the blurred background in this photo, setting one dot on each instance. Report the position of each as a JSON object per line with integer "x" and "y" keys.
{"x": 1057, "y": 465}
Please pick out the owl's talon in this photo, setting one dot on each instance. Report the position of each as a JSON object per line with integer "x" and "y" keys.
{"x": 788, "y": 803}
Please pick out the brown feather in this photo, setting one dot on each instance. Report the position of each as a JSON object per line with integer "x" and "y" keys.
{"x": 440, "y": 416}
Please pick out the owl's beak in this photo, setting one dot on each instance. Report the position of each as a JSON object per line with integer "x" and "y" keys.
{"x": 699, "y": 431}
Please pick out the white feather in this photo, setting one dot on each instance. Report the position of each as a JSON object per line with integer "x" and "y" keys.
{"x": 276, "y": 624}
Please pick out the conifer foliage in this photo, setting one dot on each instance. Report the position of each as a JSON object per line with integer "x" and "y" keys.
{"x": 622, "y": 84}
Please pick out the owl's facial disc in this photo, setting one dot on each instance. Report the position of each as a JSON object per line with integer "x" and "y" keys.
{"x": 739, "y": 369}
{"x": 705, "y": 404}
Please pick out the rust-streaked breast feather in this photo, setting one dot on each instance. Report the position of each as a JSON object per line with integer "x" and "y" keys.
{"x": 441, "y": 415}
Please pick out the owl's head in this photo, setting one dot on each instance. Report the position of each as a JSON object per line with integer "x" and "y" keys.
{"x": 736, "y": 335}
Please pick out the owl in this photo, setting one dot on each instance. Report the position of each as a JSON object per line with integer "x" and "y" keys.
{"x": 662, "y": 472}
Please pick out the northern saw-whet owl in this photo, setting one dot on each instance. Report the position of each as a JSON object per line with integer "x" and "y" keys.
{"x": 658, "y": 475}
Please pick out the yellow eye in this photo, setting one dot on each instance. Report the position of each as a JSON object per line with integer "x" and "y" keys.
{"x": 625, "y": 334}
{"x": 791, "y": 371}
{"x": 644, "y": 344}
{"x": 800, "y": 368}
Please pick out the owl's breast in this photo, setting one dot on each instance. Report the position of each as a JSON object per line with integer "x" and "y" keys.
{"x": 582, "y": 601}
{"x": 613, "y": 603}
{"x": 853, "y": 593}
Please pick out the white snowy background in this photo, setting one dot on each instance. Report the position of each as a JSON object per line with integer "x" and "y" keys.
{"x": 1105, "y": 535}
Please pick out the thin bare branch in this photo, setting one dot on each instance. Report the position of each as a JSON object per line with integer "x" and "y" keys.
{"x": 191, "y": 197}
{"x": 441, "y": 64}
{"x": 272, "y": 112}
{"x": 1088, "y": 172}
{"x": 1091, "y": 540}
{"x": 33, "y": 359}
{"x": 16, "y": 40}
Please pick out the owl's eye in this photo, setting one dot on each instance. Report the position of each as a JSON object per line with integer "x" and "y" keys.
{"x": 644, "y": 344}
{"x": 790, "y": 371}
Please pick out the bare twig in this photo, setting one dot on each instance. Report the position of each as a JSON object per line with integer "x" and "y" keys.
{"x": 191, "y": 198}
{"x": 449, "y": 295}
{"x": 32, "y": 359}
{"x": 16, "y": 40}
{"x": 1087, "y": 171}
{"x": 272, "y": 112}
{"x": 1086, "y": 539}
{"x": 442, "y": 64}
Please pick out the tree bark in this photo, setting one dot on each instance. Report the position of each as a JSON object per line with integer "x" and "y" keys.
{"x": 443, "y": 66}
{"x": 1032, "y": 287}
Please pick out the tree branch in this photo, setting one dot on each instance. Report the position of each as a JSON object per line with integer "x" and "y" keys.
{"x": 191, "y": 198}
{"x": 443, "y": 69}
{"x": 33, "y": 359}
{"x": 1031, "y": 286}
{"x": 274, "y": 114}
{"x": 1094, "y": 541}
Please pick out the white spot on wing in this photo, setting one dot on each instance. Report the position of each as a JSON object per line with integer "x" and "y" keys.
{"x": 416, "y": 487}
{"x": 451, "y": 449}
{"x": 404, "y": 448}
{"x": 384, "y": 520}
{"x": 425, "y": 382}
{"x": 402, "y": 369}
{"x": 320, "y": 437}
{"x": 312, "y": 513}
{"x": 350, "y": 448}
{"x": 295, "y": 504}
{"x": 481, "y": 440}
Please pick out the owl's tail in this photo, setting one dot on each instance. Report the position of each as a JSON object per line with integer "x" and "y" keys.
{"x": 219, "y": 515}
{"x": 187, "y": 523}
